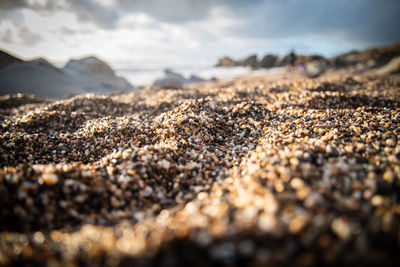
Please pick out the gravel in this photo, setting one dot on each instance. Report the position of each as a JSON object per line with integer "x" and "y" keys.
{"x": 272, "y": 170}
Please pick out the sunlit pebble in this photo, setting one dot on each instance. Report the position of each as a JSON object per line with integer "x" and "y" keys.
{"x": 279, "y": 186}
{"x": 50, "y": 178}
{"x": 165, "y": 164}
{"x": 377, "y": 200}
{"x": 388, "y": 176}
{"x": 296, "y": 183}
{"x": 267, "y": 222}
{"x": 297, "y": 223}
{"x": 39, "y": 238}
{"x": 390, "y": 142}
{"x": 341, "y": 228}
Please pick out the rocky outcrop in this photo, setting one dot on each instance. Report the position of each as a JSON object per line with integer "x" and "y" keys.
{"x": 366, "y": 59}
{"x": 7, "y": 59}
{"x": 250, "y": 61}
{"x": 33, "y": 79}
{"x": 39, "y": 77}
{"x": 370, "y": 58}
{"x": 96, "y": 76}
{"x": 89, "y": 65}
{"x": 283, "y": 61}
{"x": 390, "y": 68}
{"x": 173, "y": 80}
{"x": 268, "y": 61}
{"x": 300, "y": 59}
{"x": 226, "y": 62}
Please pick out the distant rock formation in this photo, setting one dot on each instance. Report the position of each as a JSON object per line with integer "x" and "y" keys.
{"x": 314, "y": 65}
{"x": 268, "y": 61}
{"x": 34, "y": 79}
{"x": 89, "y": 65}
{"x": 96, "y": 76}
{"x": 371, "y": 58}
{"x": 173, "y": 80}
{"x": 250, "y": 61}
{"x": 39, "y": 77}
{"x": 7, "y": 59}
{"x": 227, "y": 62}
{"x": 390, "y": 68}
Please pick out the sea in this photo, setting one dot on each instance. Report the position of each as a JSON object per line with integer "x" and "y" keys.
{"x": 144, "y": 74}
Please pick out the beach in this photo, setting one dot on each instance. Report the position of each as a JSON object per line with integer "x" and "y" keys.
{"x": 269, "y": 169}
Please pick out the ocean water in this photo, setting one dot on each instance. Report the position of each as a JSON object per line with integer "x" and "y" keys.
{"x": 146, "y": 74}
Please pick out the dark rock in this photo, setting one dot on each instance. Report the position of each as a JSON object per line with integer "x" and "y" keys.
{"x": 390, "y": 68}
{"x": 226, "y": 62}
{"x": 268, "y": 61}
{"x": 195, "y": 79}
{"x": 96, "y": 76}
{"x": 338, "y": 62}
{"x": 7, "y": 59}
{"x": 250, "y": 61}
{"x": 283, "y": 61}
{"x": 89, "y": 65}
{"x": 171, "y": 80}
{"x": 373, "y": 57}
{"x": 301, "y": 59}
{"x": 40, "y": 78}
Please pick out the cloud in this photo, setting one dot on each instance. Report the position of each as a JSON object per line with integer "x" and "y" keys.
{"x": 215, "y": 26}
{"x": 11, "y": 4}
{"x": 85, "y": 10}
{"x": 29, "y": 38}
{"x": 357, "y": 20}
{"x": 89, "y": 10}
{"x": 182, "y": 11}
{"x": 106, "y": 13}
{"x": 6, "y": 37}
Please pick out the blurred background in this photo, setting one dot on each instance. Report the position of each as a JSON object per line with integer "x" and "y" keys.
{"x": 141, "y": 38}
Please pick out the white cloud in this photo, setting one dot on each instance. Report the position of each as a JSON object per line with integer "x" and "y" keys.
{"x": 138, "y": 30}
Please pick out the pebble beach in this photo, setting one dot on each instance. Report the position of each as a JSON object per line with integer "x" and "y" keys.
{"x": 269, "y": 170}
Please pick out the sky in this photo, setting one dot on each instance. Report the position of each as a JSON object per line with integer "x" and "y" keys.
{"x": 193, "y": 31}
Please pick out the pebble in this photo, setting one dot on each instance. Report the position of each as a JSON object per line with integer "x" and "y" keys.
{"x": 341, "y": 228}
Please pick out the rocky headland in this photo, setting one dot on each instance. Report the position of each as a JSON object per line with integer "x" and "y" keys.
{"x": 315, "y": 64}
{"x": 39, "y": 77}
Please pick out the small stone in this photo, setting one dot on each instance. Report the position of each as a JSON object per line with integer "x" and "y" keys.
{"x": 388, "y": 176}
{"x": 267, "y": 222}
{"x": 296, "y": 183}
{"x": 165, "y": 164}
{"x": 377, "y": 200}
{"x": 297, "y": 224}
{"x": 390, "y": 142}
{"x": 147, "y": 191}
{"x": 50, "y": 178}
{"x": 341, "y": 228}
